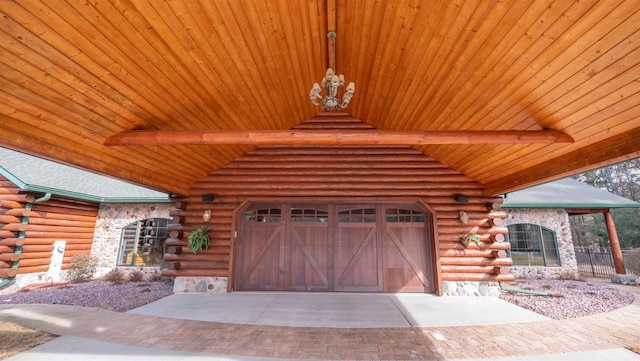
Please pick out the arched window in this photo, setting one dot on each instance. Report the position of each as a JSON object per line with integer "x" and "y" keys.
{"x": 533, "y": 245}
{"x": 404, "y": 215}
{"x": 358, "y": 215}
{"x": 142, "y": 243}
{"x": 263, "y": 215}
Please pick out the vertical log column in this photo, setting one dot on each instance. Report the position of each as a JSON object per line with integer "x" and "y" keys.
{"x": 175, "y": 242}
{"x": 616, "y": 251}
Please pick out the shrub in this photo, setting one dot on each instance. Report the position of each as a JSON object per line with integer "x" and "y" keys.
{"x": 115, "y": 276}
{"x": 156, "y": 276}
{"x": 136, "y": 276}
{"x": 83, "y": 266}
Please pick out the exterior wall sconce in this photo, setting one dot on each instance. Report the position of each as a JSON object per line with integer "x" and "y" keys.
{"x": 206, "y": 215}
{"x": 461, "y": 198}
{"x": 207, "y": 197}
{"x": 464, "y": 218}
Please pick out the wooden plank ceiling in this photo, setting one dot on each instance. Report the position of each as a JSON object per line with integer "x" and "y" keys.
{"x": 74, "y": 73}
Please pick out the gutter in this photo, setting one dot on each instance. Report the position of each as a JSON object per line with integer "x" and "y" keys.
{"x": 164, "y": 198}
{"x": 22, "y": 235}
{"x": 518, "y": 290}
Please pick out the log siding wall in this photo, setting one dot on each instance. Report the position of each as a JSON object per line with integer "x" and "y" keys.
{"x": 55, "y": 219}
{"x": 12, "y": 208}
{"x": 343, "y": 173}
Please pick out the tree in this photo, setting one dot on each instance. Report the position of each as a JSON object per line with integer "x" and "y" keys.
{"x": 622, "y": 179}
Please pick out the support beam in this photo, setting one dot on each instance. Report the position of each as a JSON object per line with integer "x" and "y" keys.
{"x": 335, "y": 137}
{"x": 616, "y": 149}
{"x": 616, "y": 251}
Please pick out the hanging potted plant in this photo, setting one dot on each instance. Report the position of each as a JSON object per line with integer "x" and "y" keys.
{"x": 199, "y": 240}
{"x": 471, "y": 237}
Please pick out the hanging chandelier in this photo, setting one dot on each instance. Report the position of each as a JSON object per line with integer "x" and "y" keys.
{"x": 327, "y": 94}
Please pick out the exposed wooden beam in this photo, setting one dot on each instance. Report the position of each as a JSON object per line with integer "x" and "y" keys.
{"x": 335, "y": 137}
{"x": 580, "y": 211}
{"x": 610, "y": 151}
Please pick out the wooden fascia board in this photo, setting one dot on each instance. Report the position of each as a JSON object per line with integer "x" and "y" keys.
{"x": 334, "y": 137}
{"x": 576, "y": 212}
{"x": 610, "y": 151}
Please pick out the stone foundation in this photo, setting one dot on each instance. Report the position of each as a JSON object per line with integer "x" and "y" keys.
{"x": 544, "y": 272}
{"x": 628, "y": 279}
{"x": 200, "y": 285}
{"x": 468, "y": 288}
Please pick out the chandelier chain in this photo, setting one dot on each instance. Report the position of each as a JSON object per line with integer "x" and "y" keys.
{"x": 326, "y": 95}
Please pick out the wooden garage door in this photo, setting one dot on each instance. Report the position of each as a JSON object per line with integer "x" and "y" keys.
{"x": 348, "y": 248}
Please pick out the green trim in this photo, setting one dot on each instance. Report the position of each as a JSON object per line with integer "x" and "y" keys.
{"x": 92, "y": 198}
{"x": 570, "y": 205}
{"x": 81, "y": 196}
{"x": 12, "y": 178}
{"x": 21, "y": 235}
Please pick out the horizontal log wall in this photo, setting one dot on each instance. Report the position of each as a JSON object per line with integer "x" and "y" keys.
{"x": 12, "y": 207}
{"x": 46, "y": 222}
{"x": 57, "y": 219}
{"x": 342, "y": 172}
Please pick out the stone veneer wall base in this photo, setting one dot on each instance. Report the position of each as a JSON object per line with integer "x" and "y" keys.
{"x": 468, "y": 288}
{"x": 624, "y": 279}
{"x": 200, "y": 285}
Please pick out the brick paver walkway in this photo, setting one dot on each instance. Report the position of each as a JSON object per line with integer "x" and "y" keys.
{"x": 619, "y": 328}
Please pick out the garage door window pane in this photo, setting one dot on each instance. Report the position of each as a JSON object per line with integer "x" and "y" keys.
{"x": 309, "y": 215}
{"x": 360, "y": 215}
{"x": 396, "y": 215}
{"x": 263, "y": 215}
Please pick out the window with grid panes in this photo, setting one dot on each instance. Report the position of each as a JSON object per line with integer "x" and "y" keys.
{"x": 533, "y": 245}
{"x": 142, "y": 243}
{"x": 360, "y": 215}
{"x": 404, "y": 215}
{"x": 263, "y": 215}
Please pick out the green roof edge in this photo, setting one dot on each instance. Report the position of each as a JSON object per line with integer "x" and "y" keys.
{"x": 87, "y": 197}
{"x": 569, "y": 205}
{"x": 12, "y": 178}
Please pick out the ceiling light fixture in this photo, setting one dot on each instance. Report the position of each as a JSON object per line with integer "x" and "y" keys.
{"x": 332, "y": 84}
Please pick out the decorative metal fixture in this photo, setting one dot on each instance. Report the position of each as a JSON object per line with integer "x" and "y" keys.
{"x": 206, "y": 216}
{"x": 464, "y": 218}
{"x": 332, "y": 84}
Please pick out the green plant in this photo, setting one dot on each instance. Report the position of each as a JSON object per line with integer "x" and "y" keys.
{"x": 470, "y": 237}
{"x": 82, "y": 268}
{"x": 198, "y": 239}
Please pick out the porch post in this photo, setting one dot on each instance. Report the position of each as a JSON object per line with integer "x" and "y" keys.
{"x": 616, "y": 251}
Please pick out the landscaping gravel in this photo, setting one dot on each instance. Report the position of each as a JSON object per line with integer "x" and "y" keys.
{"x": 567, "y": 299}
{"x": 100, "y": 294}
